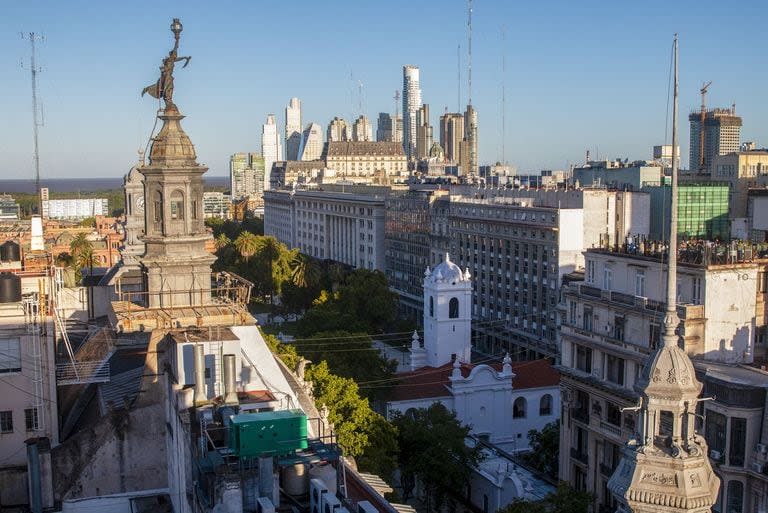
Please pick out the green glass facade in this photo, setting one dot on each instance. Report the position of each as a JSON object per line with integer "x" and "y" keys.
{"x": 702, "y": 210}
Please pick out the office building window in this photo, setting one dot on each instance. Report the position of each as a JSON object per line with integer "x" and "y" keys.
{"x": 738, "y": 441}
{"x": 608, "y": 278}
{"x": 735, "y": 500}
{"x": 6, "y": 421}
{"x": 31, "y": 421}
{"x": 612, "y": 414}
{"x": 584, "y": 358}
{"x": 590, "y": 271}
{"x": 614, "y": 369}
{"x": 586, "y": 321}
{"x": 714, "y": 430}
{"x": 10, "y": 355}
{"x": 640, "y": 283}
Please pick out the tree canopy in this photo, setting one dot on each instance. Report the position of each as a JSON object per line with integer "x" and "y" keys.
{"x": 433, "y": 449}
{"x": 544, "y": 449}
{"x": 563, "y": 500}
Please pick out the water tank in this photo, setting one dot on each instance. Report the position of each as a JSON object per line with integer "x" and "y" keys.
{"x": 325, "y": 473}
{"x": 10, "y": 288}
{"x": 10, "y": 252}
{"x": 295, "y": 479}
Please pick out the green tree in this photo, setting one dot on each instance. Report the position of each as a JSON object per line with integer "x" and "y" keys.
{"x": 433, "y": 449}
{"x": 563, "y": 500}
{"x": 544, "y": 449}
{"x": 81, "y": 250}
{"x": 349, "y": 355}
{"x": 89, "y": 222}
{"x": 366, "y": 296}
{"x": 304, "y": 271}
{"x": 247, "y": 245}
{"x": 221, "y": 242}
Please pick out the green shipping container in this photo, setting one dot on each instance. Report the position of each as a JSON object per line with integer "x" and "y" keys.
{"x": 269, "y": 433}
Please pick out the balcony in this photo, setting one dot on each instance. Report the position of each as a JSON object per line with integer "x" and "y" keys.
{"x": 587, "y": 290}
{"x": 610, "y": 428}
{"x": 579, "y": 456}
{"x": 580, "y": 415}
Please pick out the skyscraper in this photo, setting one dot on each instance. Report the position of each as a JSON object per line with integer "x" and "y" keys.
{"x": 722, "y": 135}
{"x": 338, "y": 130}
{"x": 311, "y": 142}
{"x": 293, "y": 129}
{"x": 470, "y": 141}
{"x": 362, "y": 131}
{"x": 423, "y": 132}
{"x": 246, "y": 174}
{"x": 271, "y": 149}
{"x": 385, "y": 128}
{"x": 451, "y": 135}
{"x": 411, "y": 104}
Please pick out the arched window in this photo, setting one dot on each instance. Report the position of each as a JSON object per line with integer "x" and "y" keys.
{"x": 453, "y": 308}
{"x": 431, "y": 306}
{"x": 735, "y": 499}
{"x": 177, "y": 205}
{"x": 518, "y": 408}
{"x": 545, "y": 405}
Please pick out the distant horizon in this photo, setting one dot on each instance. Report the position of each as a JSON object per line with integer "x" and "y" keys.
{"x": 57, "y": 185}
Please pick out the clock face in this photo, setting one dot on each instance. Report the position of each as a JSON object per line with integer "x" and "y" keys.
{"x": 140, "y": 204}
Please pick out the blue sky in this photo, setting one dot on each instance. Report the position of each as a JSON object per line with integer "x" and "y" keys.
{"x": 579, "y": 75}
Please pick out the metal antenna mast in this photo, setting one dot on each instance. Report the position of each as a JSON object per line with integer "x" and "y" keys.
{"x": 503, "y": 94}
{"x": 458, "y": 69}
{"x": 469, "y": 63}
{"x": 35, "y": 122}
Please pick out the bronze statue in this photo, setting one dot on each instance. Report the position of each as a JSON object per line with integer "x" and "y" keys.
{"x": 163, "y": 88}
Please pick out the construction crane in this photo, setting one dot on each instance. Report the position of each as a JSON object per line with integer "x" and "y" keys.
{"x": 703, "y": 92}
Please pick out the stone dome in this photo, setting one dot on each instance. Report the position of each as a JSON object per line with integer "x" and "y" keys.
{"x": 172, "y": 145}
{"x": 446, "y": 271}
{"x": 669, "y": 373}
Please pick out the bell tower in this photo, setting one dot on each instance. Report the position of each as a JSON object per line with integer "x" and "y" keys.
{"x": 176, "y": 265}
{"x": 447, "y": 314}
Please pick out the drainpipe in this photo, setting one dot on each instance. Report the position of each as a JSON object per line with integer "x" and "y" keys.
{"x": 230, "y": 393}
{"x": 200, "y": 396}
{"x": 33, "y": 471}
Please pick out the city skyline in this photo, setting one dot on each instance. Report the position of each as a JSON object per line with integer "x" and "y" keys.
{"x": 566, "y": 91}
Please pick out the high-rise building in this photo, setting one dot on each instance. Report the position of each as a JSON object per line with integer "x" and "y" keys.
{"x": 451, "y": 135}
{"x": 362, "y": 130}
{"x": 411, "y": 104}
{"x": 271, "y": 149}
{"x": 311, "y": 143}
{"x": 246, "y": 175}
{"x": 722, "y": 135}
{"x": 470, "y": 166}
{"x": 398, "y": 127}
{"x": 293, "y": 129}
{"x": 338, "y": 130}
{"x": 742, "y": 170}
{"x": 423, "y": 132}
{"x": 385, "y": 129}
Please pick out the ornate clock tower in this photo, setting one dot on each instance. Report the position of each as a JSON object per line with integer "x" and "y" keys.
{"x": 176, "y": 265}
{"x": 133, "y": 185}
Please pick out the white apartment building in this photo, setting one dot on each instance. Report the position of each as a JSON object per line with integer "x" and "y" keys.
{"x": 329, "y": 225}
{"x": 365, "y": 162}
{"x": 28, "y": 404}
{"x": 362, "y": 130}
{"x": 217, "y": 204}
{"x": 246, "y": 175}
{"x": 293, "y": 128}
{"x": 311, "y": 143}
{"x": 74, "y": 209}
{"x": 612, "y": 321}
{"x": 338, "y": 130}
{"x": 271, "y": 148}
{"x": 411, "y": 104}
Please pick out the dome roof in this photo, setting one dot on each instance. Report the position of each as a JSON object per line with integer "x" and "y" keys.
{"x": 172, "y": 145}
{"x": 669, "y": 373}
{"x": 446, "y": 272}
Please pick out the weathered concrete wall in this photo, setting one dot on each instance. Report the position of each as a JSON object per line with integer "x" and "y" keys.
{"x": 13, "y": 486}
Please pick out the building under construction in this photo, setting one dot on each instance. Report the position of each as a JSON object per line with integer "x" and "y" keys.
{"x": 721, "y": 135}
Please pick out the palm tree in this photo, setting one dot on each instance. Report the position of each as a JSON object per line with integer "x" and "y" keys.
{"x": 80, "y": 244}
{"x": 221, "y": 242}
{"x": 269, "y": 247}
{"x": 247, "y": 245}
{"x": 304, "y": 271}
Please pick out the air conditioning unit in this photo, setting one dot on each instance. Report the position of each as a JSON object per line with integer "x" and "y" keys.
{"x": 330, "y": 504}
{"x": 317, "y": 490}
{"x": 762, "y": 448}
{"x": 264, "y": 505}
{"x": 757, "y": 467}
{"x": 715, "y": 455}
{"x": 366, "y": 507}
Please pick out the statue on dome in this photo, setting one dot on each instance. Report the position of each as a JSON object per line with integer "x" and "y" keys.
{"x": 163, "y": 88}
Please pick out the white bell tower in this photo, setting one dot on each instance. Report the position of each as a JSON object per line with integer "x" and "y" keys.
{"x": 447, "y": 313}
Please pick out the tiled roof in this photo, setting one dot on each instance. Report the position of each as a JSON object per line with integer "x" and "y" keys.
{"x": 433, "y": 382}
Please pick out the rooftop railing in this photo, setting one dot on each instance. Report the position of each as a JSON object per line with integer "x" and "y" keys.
{"x": 693, "y": 252}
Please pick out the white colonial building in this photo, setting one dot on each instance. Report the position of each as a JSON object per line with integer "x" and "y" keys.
{"x": 500, "y": 402}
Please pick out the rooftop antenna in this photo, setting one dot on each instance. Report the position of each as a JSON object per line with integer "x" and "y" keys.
{"x": 458, "y": 70}
{"x": 35, "y": 122}
{"x": 503, "y": 94}
{"x": 469, "y": 62}
{"x": 702, "y": 120}
{"x": 360, "y": 96}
